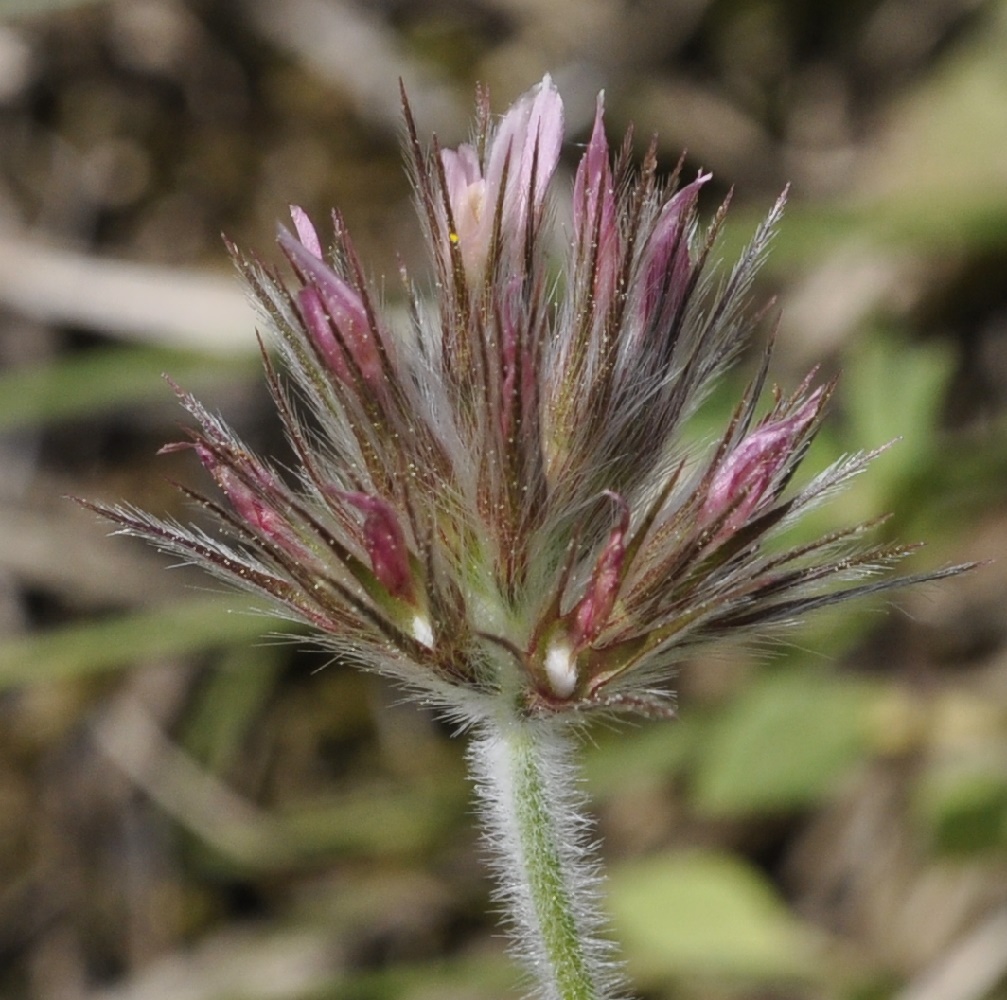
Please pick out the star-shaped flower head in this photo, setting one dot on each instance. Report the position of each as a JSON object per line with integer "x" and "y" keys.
{"x": 496, "y": 500}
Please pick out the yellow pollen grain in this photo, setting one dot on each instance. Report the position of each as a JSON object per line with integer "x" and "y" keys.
{"x": 453, "y": 237}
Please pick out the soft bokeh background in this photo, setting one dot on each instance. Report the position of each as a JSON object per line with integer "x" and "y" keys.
{"x": 189, "y": 812}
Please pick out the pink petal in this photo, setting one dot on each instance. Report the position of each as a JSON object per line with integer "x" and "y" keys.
{"x": 342, "y": 305}
{"x": 528, "y": 140}
{"x": 466, "y": 191}
{"x": 543, "y": 140}
{"x": 593, "y": 610}
{"x": 316, "y": 321}
{"x": 247, "y": 502}
{"x": 747, "y": 473}
{"x": 667, "y": 265}
{"x": 594, "y": 210}
{"x": 305, "y": 230}
{"x": 461, "y": 170}
{"x": 385, "y": 543}
{"x": 526, "y": 146}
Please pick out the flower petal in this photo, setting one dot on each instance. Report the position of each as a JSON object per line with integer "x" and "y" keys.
{"x": 385, "y": 543}
{"x": 592, "y": 612}
{"x": 305, "y": 230}
{"x": 342, "y": 305}
{"x": 595, "y": 217}
{"x": 747, "y": 473}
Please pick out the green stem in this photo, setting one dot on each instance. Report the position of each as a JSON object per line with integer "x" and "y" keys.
{"x": 536, "y": 827}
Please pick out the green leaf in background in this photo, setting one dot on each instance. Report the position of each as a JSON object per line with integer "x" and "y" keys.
{"x": 783, "y": 743}
{"x": 472, "y": 977}
{"x": 703, "y": 913}
{"x": 225, "y": 708}
{"x": 119, "y": 642}
{"x": 939, "y": 162}
{"x": 963, "y": 805}
{"x": 934, "y": 178}
{"x": 894, "y": 392}
{"x": 105, "y": 379}
{"x": 644, "y": 758}
{"x": 894, "y": 389}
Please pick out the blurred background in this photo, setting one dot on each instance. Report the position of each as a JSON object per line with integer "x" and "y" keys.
{"x": 189, "y": 811}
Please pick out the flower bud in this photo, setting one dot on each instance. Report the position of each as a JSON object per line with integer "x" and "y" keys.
{"x": 595, "y": 218}
{"x": 667, "y": 264}
{"x": 250, "y": 502}
{"x": 747, "y": 473}
{"x": 385, "y": 543}
{"x": 332, "y": 311}
{"x": 592, "y": 612}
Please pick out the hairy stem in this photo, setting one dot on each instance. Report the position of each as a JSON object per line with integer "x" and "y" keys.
{"x": 536, "y": 827}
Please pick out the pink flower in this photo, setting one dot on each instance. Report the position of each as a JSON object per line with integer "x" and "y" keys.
{"x": 507, "y": 180}
{"x": 443, "y": 521}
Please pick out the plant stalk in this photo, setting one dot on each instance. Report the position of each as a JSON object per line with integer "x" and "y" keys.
{"x": 536, "y": 826}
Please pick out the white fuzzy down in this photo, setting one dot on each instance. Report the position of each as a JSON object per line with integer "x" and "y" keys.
{"x": 423, "y": 631}
{"x": 561, "y": 668}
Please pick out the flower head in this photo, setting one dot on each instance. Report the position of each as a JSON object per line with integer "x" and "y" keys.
{"x": 496, "y": 500}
